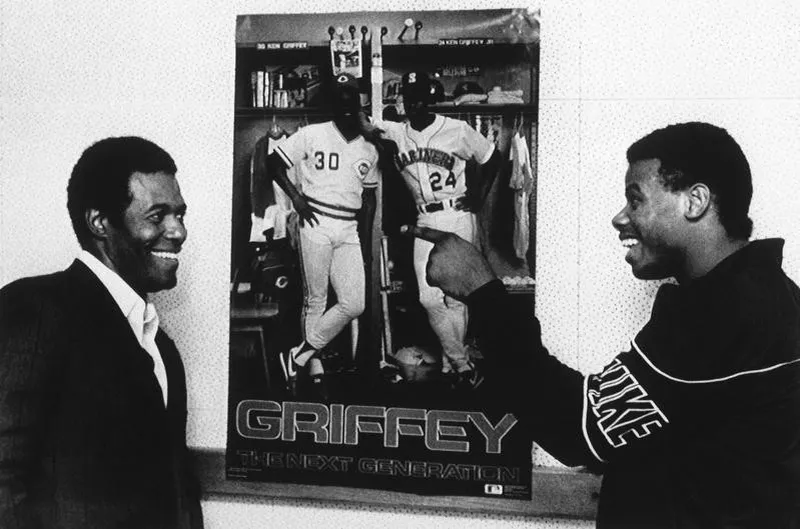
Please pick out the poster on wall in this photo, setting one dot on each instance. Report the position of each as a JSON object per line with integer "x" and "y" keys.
{"x": 345, "y": 368}
{"x": 346, "y": 57}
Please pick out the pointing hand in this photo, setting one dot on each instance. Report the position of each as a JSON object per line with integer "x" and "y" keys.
{"x": 454, "y": 265}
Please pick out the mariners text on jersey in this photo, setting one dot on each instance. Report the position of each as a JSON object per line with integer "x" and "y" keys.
{"x": 425, "y": 155}
{"x": 433, "y": 160}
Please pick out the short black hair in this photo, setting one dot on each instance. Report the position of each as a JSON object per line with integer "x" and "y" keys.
{"x": 697, "y": 152}
{"x": 101, "y": 177}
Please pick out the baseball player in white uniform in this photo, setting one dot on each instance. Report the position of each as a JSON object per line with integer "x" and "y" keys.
{"x": 337, "y": 178}
{"x": 432, "y": 153}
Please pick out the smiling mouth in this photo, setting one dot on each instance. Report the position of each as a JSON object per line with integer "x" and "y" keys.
{"x": 629, "y": 242}
{"x": 170, "y": 256}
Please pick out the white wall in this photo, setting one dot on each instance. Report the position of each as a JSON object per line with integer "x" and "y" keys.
{"x": 73, "y": 72}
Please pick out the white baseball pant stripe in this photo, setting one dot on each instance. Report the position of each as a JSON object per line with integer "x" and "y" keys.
{"x": 331, "y": 253}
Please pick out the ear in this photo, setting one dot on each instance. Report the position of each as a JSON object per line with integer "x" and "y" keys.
{"x": 97, "y": 223}
{"x": 699, "y": 201}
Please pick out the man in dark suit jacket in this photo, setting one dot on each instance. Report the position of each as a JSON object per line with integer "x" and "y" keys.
{"x": 92, "y": 393}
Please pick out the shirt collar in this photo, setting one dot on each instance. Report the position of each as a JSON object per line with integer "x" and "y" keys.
{"x": 763, "y": 253}
{"x": 140, "y": 314}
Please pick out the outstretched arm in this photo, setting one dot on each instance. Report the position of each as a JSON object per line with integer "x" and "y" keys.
{"x": 277, "y": 168}
{"x": 480, "y": 182}
{"x": 545, "y": 393}
{"x": 387, "y": 149}
{"x": 633, "y": 403}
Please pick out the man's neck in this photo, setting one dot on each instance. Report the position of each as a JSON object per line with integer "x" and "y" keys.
{"x": 707, "y": 254}
{"x": 106, "y": 261}
{"x": 347, "y": 129}
{"x": 422, "y": 121}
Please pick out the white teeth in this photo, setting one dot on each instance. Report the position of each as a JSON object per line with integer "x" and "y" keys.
{"x": 166, "y": 255}
{"x": 628, "y": 243}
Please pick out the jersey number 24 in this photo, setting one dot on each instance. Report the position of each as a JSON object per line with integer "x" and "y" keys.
{"x": 436, "y": 181}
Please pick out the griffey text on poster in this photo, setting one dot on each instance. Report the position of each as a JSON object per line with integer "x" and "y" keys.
{"x": 442, "y": 430}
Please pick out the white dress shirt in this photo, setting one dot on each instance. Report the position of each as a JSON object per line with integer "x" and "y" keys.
{"x": 141, "y": 315}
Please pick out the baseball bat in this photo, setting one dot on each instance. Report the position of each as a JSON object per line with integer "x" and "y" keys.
{"x": 376, "y": 76}
{"x": 354, "y": 337}
{"x": 385, "y": 284}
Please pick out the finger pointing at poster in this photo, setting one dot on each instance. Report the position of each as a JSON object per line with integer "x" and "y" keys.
{"x": 454, "y": 265}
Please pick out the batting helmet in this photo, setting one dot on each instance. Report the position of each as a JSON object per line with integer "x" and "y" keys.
{"x": 417, "y": 364}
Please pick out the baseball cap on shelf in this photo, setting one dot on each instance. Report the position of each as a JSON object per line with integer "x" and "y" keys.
{"x": 416, "y": 85}
{"x": 467, "y": 87}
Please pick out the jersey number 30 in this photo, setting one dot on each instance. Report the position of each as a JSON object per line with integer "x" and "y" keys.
{"x": 436, "y": 181}
{"x": 333, "y": 160}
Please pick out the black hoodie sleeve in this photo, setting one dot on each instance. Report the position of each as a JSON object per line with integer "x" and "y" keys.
{"x": 546, "y": 394}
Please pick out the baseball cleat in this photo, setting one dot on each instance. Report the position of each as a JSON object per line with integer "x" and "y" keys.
{"x": 391, "y": 373}
{"x": 469, "y": 379}
{"x": 288, "y": 363}
{"x": 296, "y": 358}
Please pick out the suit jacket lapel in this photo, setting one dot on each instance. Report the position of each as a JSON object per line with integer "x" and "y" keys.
{"x": 93, "y": 302}
{"x": 176, "y": 377}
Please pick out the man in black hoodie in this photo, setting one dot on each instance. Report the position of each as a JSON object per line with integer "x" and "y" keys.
{"x": 698, "y": 424}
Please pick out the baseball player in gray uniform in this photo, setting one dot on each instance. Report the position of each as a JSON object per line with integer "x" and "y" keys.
{"x": 432, "y": 153}
{"x": 337, "y": 178}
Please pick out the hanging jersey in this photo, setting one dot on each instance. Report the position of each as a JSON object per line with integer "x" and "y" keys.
{"x": 522, "y": 182}
{"x": 332, "y": 172}
{"x": 433, "y": 160}
{"x": 269, "y": 204}
{"x": 281, "y": 199}
{"x": 261, "y": 191}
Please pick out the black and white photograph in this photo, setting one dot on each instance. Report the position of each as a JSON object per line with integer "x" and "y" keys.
{"x": 369, "y": 375}
{"x": 404, "y": 265}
